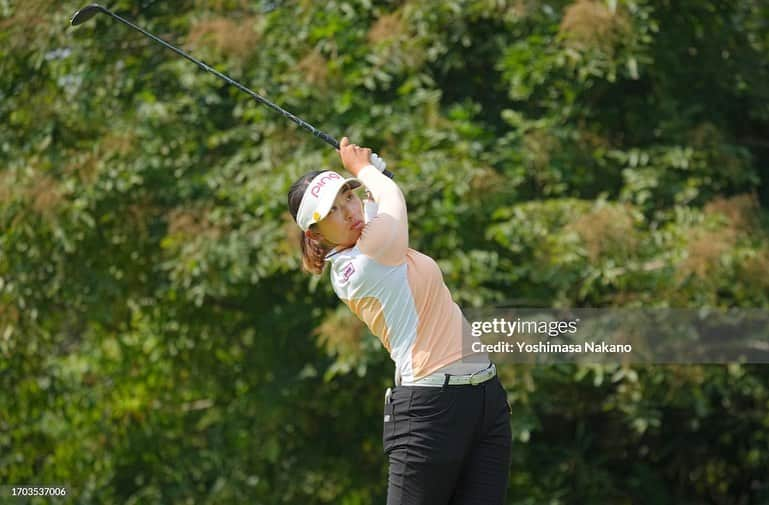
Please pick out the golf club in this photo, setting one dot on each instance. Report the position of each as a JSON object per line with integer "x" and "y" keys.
{"x": 89, "y": 11}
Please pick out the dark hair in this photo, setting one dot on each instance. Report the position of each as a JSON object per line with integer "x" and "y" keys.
{"x": 313, "y": 251}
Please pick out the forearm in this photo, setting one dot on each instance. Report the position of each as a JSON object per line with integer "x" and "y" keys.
{"x": 385, "y": 192}
{"x": 385, "y": 237}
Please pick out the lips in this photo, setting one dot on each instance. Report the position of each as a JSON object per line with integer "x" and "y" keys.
{"x": 357, "y": 225}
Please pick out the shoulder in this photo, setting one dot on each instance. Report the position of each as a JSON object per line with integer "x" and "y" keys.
{"x": 346, "y": 264}
{"x": 353, "y": 272}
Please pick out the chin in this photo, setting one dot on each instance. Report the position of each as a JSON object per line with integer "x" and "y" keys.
{"x": 354, "y": 239}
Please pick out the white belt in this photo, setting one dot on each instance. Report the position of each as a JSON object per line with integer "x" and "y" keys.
{"x": 439, "y": 379}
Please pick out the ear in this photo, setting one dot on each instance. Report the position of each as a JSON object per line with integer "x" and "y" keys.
{"x": 313, "y": 235}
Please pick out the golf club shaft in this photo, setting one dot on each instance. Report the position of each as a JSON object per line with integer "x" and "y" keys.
{"x": 299, "y": 121}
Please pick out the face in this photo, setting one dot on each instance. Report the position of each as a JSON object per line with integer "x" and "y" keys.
{"x": 344, "y": 222}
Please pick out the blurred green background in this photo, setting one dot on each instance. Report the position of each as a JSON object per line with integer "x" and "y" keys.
{"x": 159, "y": 344}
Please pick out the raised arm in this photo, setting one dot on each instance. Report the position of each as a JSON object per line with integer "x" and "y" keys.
{"x": 385, "y": 238}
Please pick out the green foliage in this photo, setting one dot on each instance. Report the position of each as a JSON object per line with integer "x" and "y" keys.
{"x": 159, "y": 344}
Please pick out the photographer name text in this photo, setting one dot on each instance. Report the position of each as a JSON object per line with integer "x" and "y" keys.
{"x": 549, "y": 347}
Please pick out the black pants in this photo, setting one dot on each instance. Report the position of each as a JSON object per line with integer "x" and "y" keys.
{"x": 449, "y": 445}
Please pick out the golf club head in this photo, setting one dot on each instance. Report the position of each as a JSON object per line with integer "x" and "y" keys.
{"x": 85, "y": 14}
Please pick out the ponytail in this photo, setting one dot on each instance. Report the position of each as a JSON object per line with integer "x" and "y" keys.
{"x": 313, "y": 254}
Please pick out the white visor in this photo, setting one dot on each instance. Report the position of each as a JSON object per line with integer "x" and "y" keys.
{"x": 319, "y": 197}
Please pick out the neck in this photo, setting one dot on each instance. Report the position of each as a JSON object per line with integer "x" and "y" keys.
{"x": 336, "y": 250}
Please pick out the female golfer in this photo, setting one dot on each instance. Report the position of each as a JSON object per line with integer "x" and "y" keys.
{"x": 446, "y": 421}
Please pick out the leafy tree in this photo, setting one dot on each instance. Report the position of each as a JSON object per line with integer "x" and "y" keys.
{"x": 158, "y": 343}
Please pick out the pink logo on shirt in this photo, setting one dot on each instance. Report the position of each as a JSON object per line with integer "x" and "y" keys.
{"x": 349, "y": 269}
{"x": 322, "y": 182}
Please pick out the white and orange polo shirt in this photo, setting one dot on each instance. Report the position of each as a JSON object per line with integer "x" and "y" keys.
{"x": 398, "y": 292}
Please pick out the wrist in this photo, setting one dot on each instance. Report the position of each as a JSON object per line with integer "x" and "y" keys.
{"x": 355, "y": 170}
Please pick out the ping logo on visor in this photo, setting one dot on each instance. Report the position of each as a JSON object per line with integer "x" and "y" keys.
{"x": 324, "y": 178}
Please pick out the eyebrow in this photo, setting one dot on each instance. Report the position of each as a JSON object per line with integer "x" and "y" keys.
{"x": 344, "y": 189}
